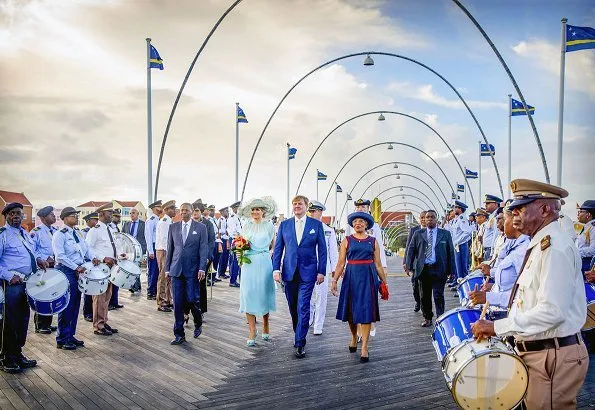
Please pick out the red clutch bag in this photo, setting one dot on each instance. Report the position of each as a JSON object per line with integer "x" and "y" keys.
{"x": 383, "y": 291}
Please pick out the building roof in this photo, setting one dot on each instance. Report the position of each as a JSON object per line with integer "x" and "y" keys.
{"x": 127, "y": 204}
{"x": 93, "y": 204}
{"x": 9, "y": 197}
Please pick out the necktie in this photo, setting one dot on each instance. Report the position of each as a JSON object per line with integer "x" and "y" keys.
{"x": 430, "y": 247}
{"x": 33, "y": 263}
{"x": 300, "y": 230}
{"x": 111, "y": 238}
{"x": 76, "y": 238}
{"x": 184, "y": 232}
{"x": 133, "y": 229}
{"x": 51, "y": 231}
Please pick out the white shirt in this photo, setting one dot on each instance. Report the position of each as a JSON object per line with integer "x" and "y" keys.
{"x": 186, "y": 227}
{"x": 222, "y": 228}
{"x": 585, "y": 242}
{"x": 150, "y": 232}
{"x": 233, "y": 226}
{"x": 491, "y": 231}
{"x": 550, "y": 299}
{"x": 460, "y": 230}
{"x": 298, "y": 221}
{"x": 510, "y": 260}
{"x": 100, "y": 241}
{"x": 498, "y": 247}
{"x": 162, "y": 233}
{"x": 567, "y": 225}
{"x": 332, "y": 251}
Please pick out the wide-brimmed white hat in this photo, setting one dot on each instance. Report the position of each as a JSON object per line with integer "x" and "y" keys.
{"x": 266, "y": 203}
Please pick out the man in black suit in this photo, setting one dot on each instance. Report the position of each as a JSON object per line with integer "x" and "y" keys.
{"x": 186, "y": 262}
{"x": 431, "y": 257}
{"x": 414, "y": 282}
{"x": 136, "y": 228}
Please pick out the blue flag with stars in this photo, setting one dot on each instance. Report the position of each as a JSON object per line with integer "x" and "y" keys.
{"x": 155, "y": 60}
{"x": 579, "y": 38}
{"x": 241, "y": 116}
{"x": 321, "y": 176}
{"x": 470, "y": 174}
{"x": 349, "y": 198}
{"x": 516, "y": 108}
{"x": 460, "y": 188}
{"x": 291, "y": 152}
{"x": 339, "y": 189}
{"x": 487, "y": 150}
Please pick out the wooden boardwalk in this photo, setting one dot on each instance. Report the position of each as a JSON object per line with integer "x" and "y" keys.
{"x": 138, "y": 369}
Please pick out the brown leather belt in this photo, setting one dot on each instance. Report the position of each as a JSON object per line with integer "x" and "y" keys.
{"x": 536, "y": 345}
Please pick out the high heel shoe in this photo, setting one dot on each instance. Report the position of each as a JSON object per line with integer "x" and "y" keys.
{"x": 266, "y": 337}
{"x": 352, "y": 349}
{"x": 365, "y": 359}
{"x": 252, "y": 342}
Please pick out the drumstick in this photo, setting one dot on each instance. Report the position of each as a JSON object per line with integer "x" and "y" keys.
{"x": 484, "y": 310}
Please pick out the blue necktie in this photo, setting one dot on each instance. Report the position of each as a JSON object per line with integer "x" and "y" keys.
{"x": 133, "y": 229}
{"x": 76, "y": 239}
{"x": 33, "y": 263}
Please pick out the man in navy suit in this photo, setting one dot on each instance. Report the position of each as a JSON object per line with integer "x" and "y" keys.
{"x": 301, "y": 244}
{"x": 431, "y": 257}
{"x": 414, "y": 281}
{"x": 187, "y": 252}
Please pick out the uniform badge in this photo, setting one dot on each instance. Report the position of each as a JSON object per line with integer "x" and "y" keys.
{"x": 64, "y": 230}
{"x": 546, "y": 242}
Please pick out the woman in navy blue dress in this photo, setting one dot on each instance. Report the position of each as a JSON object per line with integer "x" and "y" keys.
{"x": 358, "y": 302}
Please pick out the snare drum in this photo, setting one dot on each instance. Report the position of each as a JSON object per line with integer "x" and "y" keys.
{"x": 127, "y": 244}
{"x": 452, "y": 328}
{"x": 590, "y": 293}
{"x": 48, "y": 291}
{"x": 485, "y": 375}
{"x": 95, "y": 280}
{"x": 124, "y": 274}
{"x": 468, "y": 285}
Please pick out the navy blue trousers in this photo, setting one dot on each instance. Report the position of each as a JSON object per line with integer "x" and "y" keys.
{"x": 15, "y": 320}
{"x": 223, "y": 259}
{"x": 462, "y": 260}
{"x": 114, "y": 299}
{"x": 234, "y": 268}
{"x": 298, "y": 294}
{"x": 216, "y": 256}
{"x": 88, "y": 306}
{"x": 186, "y": 292}
{"x": 67, "y": 319}
{"x": 152, "y": 274}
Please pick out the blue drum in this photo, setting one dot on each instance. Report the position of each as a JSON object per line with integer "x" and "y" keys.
{"x": 452, "y": 328}
{"x": 467, "y": 285}
{"x": 48, "y": 291}
{"x": 590, "y": 293}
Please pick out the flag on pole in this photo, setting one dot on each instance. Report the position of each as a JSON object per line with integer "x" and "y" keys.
{"x": 339, "y": 189}
{"x": 321, "y": 176}
{"x": 349, "y": 198}
{"x": 241, "y": 116}
{"x": 579, "y": 38}
{"x": 460, "y": 187}
{"x": 291, "y": 152}
{"x": 516, "y": 108}
{"x": 455, "y": 196}
{"x": 487, "y": 150}
{"x": 470, "y": 174}
{"x": 155, "y": 61}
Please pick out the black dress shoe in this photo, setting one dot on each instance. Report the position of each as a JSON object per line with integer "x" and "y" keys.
{"x": 164, "y": 309}
{"x": 234, "y": 285}
{"x": 178, "y": 340}
{"x": 111, "y": 307}
{"x": 209, "y": 283}
{"x": 103, "y": 332}
{"x": 426, "y": 323}
{"x": 197, "y": 331}
{"x": 111, "y": 329}
{"x": 25, "y": 363}
{"x": 88, "y": 318}
{"x": 66, "y": 346}
{"x": 53, "y": 328}
{"x": 224, "y": 276}
{"x": 300, "y": 353}
{"x": 9, "y": 366}
{"x": 43, "y": 331}
{"x": 76, "y": 342}
{"x": 216, "y": 279}
{"x": 416, "y": 308}
{"x": 118, "y": 306}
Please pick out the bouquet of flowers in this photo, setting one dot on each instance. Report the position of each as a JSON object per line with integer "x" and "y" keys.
{"x": 239, "y": 246}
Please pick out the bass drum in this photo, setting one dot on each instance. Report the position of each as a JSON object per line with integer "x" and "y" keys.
{"x": 95, "y": 280}
{"x": 127, "y": 244}
{"x": 48, "y": 291}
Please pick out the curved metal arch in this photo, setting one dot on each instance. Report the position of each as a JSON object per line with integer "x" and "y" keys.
{"x": 389, "y": 175}
{"x": 402, "y": 230}
{"x": 173, "y": 110}
{"x": 418, "y": 207}
{"x": 413, "y": 189}
{"x": 381, "y": 165}
{"x": 395, "y": 113}
{"x": 424, "y": 203}
{"x": 361, "y": 54}
{"x": 514, "y": 84}
{"x": 385, "y": 143}
{"x": 394, "y": 238}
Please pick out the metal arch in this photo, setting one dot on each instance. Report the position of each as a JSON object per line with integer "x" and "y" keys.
{"x": 419, "y": 208}
{"x": 514, "y": 84}
{"x": 395, "y": 113}
{"x": 388, "y": 163}
{"x": 173, "y": 110}
{"x": 361, "y": 54}
{"x": 385, "y": 143}
{"x": 389, "y": 175}
{"x": 413, "y": 189}
{"x": 424, "y": 203}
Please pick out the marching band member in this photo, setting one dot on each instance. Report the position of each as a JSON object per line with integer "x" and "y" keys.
{"x": 114, "y": 301}
{"x": 234, "y": 226}
{"x": 150, "y": 239}
{"x": 116, "y": 218}
{"x": 500, "y": 239}
{"x": 91, "y": 220}
{"x": 42, "y": 238}
{"x": 461, "y": 233}
{"x": 224, "y": 237}
{"x": 320, "y": 293}
{"x": 567, "y": 224}
{"x": 217, "y": 249}
{"x": 71, "y": 251}
{"x": 164, "y": 295}
{"x": 490, "y": 233}
{"x": 585, "y": 241}
{"x": 18, "y": 259}
{"x": 101, "y": 242}
{"x": 547, "y": 307}
{"x": 212, "y": 235}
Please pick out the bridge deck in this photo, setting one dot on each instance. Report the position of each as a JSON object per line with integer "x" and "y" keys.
{"x": 137, "y": 368}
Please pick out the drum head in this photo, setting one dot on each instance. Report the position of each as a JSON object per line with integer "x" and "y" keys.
{"x": 127, "y": 244}
{"x": 89, "y": 266}
{"x": 47, "y": 286}
{"x": 97, "y": 273}
{"x": 129, "y": 267}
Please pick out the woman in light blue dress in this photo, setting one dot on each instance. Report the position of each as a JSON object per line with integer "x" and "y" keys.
{"x": 257, "y": 288}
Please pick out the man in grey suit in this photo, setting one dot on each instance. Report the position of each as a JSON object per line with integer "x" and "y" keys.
{"x": 136, "y": 228}
{"x": 187, "y": 252}
{"x": 431, "y": 257}
{"x": 414, "y": 282}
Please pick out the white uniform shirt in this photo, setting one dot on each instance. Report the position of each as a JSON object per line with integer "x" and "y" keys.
{"x": 68, "y": 251}
{"x": 460, "y": 230}
{"x": 162, "y": 233}
{"x": 491, "y": 231}
{"x": 234, "y": 226}
{"x": 585, "y": 242}
{"x": 510, "y": 260}
{"x": 567, "y": 225}
{"x": 151, "y": 232}
{"x": 332, "y": 250}
{"x": 100, "y": 242}
{"x": 498, "y": 247}
{"x": 550, "y": 298}
{"x": 222, "y": 228}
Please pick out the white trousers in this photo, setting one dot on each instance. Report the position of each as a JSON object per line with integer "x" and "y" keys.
{"x": 318, "y": 304}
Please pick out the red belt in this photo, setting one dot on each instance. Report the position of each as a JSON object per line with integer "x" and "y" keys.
{"x": 361, "y": 262}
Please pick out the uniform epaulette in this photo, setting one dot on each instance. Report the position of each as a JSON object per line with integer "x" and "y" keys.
{"x": 86, "y": 229}
{"x": 2, "y": 229}
{"x": 64, "y": 230}
{"x": 461, "y": 217}
{"x": 546, "y": 242}
{"x": 97, "y": 226}
{"x": 76, "y": 228}
{"x": 37, "y": 228}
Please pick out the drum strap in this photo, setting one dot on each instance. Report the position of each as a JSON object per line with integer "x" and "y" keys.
{"x": 33, "y": 263}
{"x": 516, "y": 285}
{"x": 111, "y": 238}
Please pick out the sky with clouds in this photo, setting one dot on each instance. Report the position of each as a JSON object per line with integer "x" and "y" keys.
{"x": 73, "y": 97}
